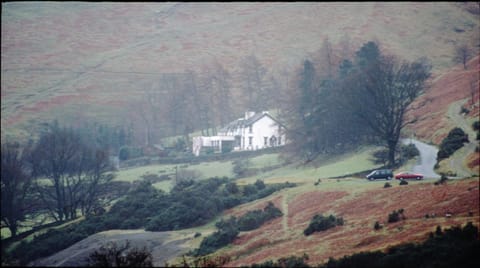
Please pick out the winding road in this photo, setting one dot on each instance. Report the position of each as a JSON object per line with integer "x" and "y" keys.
{"x": 427, "y": 159}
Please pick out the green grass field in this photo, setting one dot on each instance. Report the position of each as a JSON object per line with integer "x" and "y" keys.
{"x": 328, "y": 167}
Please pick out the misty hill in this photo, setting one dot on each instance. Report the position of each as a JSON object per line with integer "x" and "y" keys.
{"x": 77, "y": 61}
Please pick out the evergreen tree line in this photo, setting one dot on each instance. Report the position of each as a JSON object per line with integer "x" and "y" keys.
{"x": 363, "y": 99}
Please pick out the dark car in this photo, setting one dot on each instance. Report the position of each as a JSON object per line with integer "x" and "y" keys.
{"x": 380, "y": 174}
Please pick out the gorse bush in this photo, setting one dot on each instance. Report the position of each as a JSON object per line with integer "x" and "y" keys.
{"x": 454, "y": 141}
{"x": 229, "y": 229}
{"x": 321, "y": 223}
{"x": 227, "y": 232}
{"x": 254, "y": 219}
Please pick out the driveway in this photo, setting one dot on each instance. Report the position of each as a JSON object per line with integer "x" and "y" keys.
{"x": 427, "y": 159}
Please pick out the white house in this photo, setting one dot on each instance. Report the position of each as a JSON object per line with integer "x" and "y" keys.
{"x": 253, "y": 132}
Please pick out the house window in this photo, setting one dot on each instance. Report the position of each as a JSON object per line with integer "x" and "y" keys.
{"x": 265, "y": 140}
{"x": 279, "y": 140}
{"x": 250, "y": 129}
{"x": 250, "y": 140}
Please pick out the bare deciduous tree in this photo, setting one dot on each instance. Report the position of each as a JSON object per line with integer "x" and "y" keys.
{"x": 75, "y": 171}
{"x": 462, "y": 54}
{"x": 16, "y": 186}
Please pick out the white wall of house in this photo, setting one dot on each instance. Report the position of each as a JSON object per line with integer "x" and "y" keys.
{"x": 263, "y": 133}
{"x": 213, "y": 141}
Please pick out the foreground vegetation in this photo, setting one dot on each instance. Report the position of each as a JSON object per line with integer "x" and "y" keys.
{"x": 454, "y": 247}
{"x": 189, "y": 204}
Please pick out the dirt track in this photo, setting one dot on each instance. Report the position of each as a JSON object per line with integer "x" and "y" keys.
{"x": 163, "y": 246}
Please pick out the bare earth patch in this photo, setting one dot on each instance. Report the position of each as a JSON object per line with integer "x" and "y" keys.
{"x": 163, "y": 246}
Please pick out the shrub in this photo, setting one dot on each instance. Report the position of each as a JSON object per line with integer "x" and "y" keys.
{"x": 321, "y": 223}
{"x": 454, "y": 141}
{"x": 396, "y": 215}
{"x": 409, "y": 151}
{"x": 387, "y": 185}
{"x": 377, "y": 226}
{"x": 129, "y": 152}
{"x": 476, "y": 125}
{"x": 115, "y": 256}
{"x": 443, "y": 179}
{"x": 259, "y": 184}
{"x": 464, "y": 110}
{"x": 232, "y": 188}
{"x": 227, "y": 232}
{"x": 403, "y": 182}
{"x": 254, "y": 219}
{"x": 286, "y": 262}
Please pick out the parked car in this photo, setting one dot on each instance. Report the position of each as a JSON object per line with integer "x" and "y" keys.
{"x": 408, "y": 175}
{"x": 380, "y": 174}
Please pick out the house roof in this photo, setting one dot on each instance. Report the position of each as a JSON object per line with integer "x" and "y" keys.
{"x": 247, "y": 122}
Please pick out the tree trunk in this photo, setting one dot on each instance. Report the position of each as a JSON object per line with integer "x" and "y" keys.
{"x": 391, "y": 153}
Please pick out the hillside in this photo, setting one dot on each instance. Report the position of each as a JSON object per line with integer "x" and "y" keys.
{"x": 359, "y": 202}
{"x": 78, "y": 61}
{"x": 360, "y": 205}
{"x": 439, "y": 110}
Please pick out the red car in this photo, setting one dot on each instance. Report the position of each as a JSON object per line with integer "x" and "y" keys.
{"x": 408, "y": 175}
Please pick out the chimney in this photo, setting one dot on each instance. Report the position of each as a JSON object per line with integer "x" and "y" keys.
{"x": 249, "y": 114}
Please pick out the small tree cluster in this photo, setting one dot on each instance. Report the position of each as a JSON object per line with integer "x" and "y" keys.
{"x": 320, "y": 223}
{"x": 396, "y": 215}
